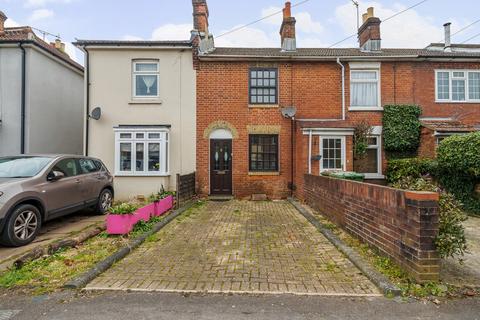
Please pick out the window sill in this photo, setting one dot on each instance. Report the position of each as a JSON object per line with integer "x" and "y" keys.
{"x": 263, "y": 173}
{"x": 146, "y": 101}
{"x": 122, "y": 174}
{"x": 372, "y": 176}
{"x": 263, "y": 106}
{"x": 353, "y": 109}
{"x": 457, "y": 102}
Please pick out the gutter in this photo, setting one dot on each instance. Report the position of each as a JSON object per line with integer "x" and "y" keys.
{"x": 343, "y": 87}
{"x": 23, "y": 99}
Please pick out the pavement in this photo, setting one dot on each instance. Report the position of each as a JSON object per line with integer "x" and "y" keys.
{"x": 115, "y": 305}
{"x": 51, "y": 231}
{"x": 238, "y": 247}
{"x": 466, "y": 272}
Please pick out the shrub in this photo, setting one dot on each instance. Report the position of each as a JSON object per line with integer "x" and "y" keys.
{"x": 401, "y": 128}
{"x": 410, "y": 167}
{"x": 123, "y": 208}
{"x": 459, "y": 168}
{"x": 344, "y": 175}
{"x": 450, "y": 241}
{"x": 461, "y": 153}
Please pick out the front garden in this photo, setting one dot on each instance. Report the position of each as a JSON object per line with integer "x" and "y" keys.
{"x": 125, "y": 222}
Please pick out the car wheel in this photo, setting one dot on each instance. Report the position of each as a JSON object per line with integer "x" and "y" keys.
{"x": 22, "y": 226}
{"x": 105, "y": 201}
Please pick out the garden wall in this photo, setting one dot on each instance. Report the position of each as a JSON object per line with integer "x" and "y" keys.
{"x": 400, "y": 224}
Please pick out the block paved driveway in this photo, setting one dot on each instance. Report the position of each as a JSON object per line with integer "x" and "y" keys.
{"x": 238, "y": 247}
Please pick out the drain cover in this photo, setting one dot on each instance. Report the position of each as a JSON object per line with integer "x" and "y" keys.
{"x": 8, "y": 314}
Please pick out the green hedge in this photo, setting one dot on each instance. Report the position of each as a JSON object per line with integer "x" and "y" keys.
{"x": 459, "y": 168}
{"x": 411, "y": 167}
{"x": 401, "y": 128}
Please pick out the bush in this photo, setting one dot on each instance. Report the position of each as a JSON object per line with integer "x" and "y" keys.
{"x": 410, "y": 167}
{"x": 459, "y": 168}
{"x": 461, "y": 153}
{"x": 401, "y": 128}
{"x": 344, "y": 175}
{"x": 450, "y": 241}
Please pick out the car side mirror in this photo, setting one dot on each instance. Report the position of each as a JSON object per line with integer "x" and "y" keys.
{"x": 55, "y": 175}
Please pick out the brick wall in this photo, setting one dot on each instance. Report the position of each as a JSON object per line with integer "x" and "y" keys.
{"x": 400, "y": 224}
{"x": 428, "y": 144}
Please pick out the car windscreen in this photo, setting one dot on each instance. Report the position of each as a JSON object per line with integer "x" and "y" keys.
{"x": 22, "y": 167}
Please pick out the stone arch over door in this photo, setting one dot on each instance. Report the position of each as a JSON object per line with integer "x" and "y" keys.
{"x": 220, "y": 128}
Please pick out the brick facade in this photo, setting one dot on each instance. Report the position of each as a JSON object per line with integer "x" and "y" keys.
{"x": 400, "y": 224}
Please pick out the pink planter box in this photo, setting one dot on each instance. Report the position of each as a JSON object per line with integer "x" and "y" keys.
{"x": 120, "y": 224}
{"x": 163, "y": 206}
{"x": 123, "y": 224}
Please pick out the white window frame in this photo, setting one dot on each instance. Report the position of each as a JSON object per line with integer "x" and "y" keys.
{"x": 141, "y": 73}
{"x": 164, "y": 151}
{"x": 343, "y": 147}
{"x": 378, "y": 107}
{"x": 467, "y": 87}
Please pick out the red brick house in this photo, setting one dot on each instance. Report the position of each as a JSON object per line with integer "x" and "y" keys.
{"x": 266, "y": 116}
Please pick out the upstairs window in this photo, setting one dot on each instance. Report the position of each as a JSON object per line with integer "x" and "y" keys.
{"x": 457, "y": 86}
{"x": 364, "y": 89}
{"x": 145, "y": 79}
{"x": 263, "y": 86}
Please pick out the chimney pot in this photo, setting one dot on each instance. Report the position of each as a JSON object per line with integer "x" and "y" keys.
{"x": 287, "y": 11}
{"x": 370, "y": 12}
{"x": 364, "y": 17}
{"x": 3, "y": 18}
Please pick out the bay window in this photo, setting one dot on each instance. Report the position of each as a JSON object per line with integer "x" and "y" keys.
{"x": 141, "y": 153}
{"x": 457, "y": 85}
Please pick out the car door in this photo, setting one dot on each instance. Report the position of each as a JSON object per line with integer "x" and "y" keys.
{"x": 91, "y": 180}
{"x": 63, "y": 196}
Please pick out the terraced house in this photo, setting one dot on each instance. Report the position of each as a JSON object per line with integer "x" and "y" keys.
{"x": 267, "y": 116}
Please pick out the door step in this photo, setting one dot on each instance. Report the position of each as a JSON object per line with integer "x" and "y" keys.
{"x": 220, "y": 198}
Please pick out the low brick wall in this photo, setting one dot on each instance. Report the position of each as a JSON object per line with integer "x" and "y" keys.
{"x": 400, "y": 224}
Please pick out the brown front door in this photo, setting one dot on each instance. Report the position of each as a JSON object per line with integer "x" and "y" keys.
{"x": 221, "y": 166}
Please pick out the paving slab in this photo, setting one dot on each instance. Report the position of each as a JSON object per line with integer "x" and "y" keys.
{"x": 51, "y": 231}
{"x": 239, "y": 247}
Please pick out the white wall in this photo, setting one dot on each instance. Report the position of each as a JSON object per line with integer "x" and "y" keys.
{"x": 111, "y": 89}
{"x": 55, "y": 106}
{"x": 10, "y": 100}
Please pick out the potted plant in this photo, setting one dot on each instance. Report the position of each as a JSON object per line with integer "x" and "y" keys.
{"x": 121, "y": 218}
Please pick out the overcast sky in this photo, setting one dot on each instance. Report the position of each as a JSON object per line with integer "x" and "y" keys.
{"x": 320, "y": 23}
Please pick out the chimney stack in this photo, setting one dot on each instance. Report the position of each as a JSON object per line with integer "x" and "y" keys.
{"x": 202, "y": 40}
{"x": 448, "y": 42}
{"x": 287, "y": 30}
{"x": 3, "y": 18}
{"x": 369, "y": 32}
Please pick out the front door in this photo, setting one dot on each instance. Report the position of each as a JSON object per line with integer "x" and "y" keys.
{"x": 221, "y": 166}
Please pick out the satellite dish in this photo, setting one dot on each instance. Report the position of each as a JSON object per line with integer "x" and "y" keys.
{"x": 289, "y": 112}
{"x": 96, "y": 114}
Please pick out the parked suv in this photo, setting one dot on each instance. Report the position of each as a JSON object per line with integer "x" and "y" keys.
{"x": 38, "y": 188}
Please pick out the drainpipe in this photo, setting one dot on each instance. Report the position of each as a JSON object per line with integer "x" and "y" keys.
{"x": 87, "y": 98}
{"x": 292, "y": 182}
{"x": 23, "y": 100}
{"x": 310, "y": 152}
{"x": 343, "y": 87}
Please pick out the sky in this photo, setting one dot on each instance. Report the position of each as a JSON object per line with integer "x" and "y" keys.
{"x": 320, "y": 23}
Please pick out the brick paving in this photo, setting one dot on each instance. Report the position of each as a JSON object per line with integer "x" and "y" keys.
{"x": 238, "y": 247}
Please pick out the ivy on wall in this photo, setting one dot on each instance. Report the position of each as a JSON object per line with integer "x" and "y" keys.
{"x": 401, "y": 128}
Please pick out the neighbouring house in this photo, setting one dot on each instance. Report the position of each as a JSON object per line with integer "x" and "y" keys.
{"x": 145, "y": 133}
{"x": 41, "y": 95}
{"x": 267, "y": 116}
